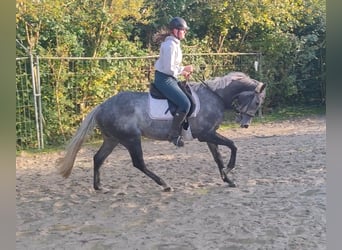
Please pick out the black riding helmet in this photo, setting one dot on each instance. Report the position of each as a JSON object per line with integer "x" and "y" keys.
{"x": 178, "y": 23}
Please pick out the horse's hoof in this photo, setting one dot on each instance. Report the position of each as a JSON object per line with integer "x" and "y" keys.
{"x": 232, "y": 185}
{"x": 168, "y": 189}
{"x": 104, "y": 190}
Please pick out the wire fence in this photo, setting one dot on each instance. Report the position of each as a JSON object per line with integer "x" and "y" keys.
{"x": 28, "y": 117}
{"x": 53, "y": 94}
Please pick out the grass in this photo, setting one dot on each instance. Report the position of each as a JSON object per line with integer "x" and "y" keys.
{"x": 280, "y": 114}
{"x": 54, "y": 149}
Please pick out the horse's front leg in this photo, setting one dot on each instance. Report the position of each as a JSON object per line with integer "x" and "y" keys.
{"x": 213, "y": 140}
{"x": 218, "y": 159}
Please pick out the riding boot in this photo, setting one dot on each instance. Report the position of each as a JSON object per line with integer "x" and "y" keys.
{"x": 176, "y": 129}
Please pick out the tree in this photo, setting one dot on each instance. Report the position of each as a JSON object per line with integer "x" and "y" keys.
{"x": 66, "y": 28}
{"x": 32, "y": 19}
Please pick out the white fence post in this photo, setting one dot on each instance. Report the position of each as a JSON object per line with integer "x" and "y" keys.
{"x": 37, "y": 99}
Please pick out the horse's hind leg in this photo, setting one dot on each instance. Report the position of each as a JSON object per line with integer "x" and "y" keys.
{"x": 135, "y": 151}
{"x": 106, "y": 148}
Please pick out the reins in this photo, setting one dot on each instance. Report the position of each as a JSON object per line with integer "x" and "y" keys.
{"x": 207, "y": 86}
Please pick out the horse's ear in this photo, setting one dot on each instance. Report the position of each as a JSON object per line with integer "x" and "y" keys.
{"x": 261, "y": 86}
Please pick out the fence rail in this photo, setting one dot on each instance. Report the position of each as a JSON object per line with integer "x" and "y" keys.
{"x": 53, "y": 94}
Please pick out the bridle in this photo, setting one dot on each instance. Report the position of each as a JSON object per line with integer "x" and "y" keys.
{"x": 245, "y": 108}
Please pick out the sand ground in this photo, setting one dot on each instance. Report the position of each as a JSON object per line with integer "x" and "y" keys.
{"x": 279, "y": 201}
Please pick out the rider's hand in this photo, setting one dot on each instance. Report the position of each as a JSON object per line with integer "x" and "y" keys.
{"x": 189, "y": 68}
{"x": 186, "y": 74}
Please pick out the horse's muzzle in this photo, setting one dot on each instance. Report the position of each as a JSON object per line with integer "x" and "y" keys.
{"x": 244, "y": 120}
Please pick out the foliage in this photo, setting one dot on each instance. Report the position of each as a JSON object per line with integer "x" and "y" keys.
{"x": 78, "y": 28}
{"x": 76, "y": 86}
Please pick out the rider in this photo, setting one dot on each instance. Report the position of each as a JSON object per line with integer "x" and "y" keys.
{"x": 168, "y": 67}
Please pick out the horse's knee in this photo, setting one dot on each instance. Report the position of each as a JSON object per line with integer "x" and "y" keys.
{"x": 140, "y": 167}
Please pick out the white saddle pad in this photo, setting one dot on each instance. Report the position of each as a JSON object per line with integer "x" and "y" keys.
{"x": 157, "y": 107}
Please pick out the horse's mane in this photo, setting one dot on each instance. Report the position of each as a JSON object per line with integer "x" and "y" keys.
{"x": 224, "y": 81}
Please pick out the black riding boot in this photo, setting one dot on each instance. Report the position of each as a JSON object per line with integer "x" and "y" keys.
{"x": 176, "y": 129}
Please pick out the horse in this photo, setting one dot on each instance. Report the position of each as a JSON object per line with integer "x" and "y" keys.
{"x": 124, "y": 119}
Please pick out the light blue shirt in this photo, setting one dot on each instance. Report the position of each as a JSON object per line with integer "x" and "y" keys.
{"x": 170, "y": 57}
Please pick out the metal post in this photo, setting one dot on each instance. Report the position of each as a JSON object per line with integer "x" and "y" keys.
{"x": 33, "y": 73}
{"x": 260, "y": 78}
{"x": 39, "y": 100}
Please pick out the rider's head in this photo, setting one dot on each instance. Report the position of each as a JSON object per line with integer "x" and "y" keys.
{"x": 178, "y": 27}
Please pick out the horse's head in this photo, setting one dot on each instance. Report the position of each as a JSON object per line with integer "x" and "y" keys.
{"x": 247, "y": 104}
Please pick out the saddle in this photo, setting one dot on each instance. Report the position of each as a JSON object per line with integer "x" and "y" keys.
{"x": 172, "y": 107}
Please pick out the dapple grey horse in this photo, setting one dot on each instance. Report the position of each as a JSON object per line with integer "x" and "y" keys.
{"x": 124, "y": 118}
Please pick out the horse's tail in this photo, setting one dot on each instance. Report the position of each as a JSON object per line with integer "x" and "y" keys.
{"x": 64, "y": 165}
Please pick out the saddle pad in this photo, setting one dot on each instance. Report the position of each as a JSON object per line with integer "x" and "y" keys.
{"x": 158, "y": 107}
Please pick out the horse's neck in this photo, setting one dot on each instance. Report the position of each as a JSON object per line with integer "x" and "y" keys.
{"x": 238, "y": 87}
{"x": 229, "y": 93}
